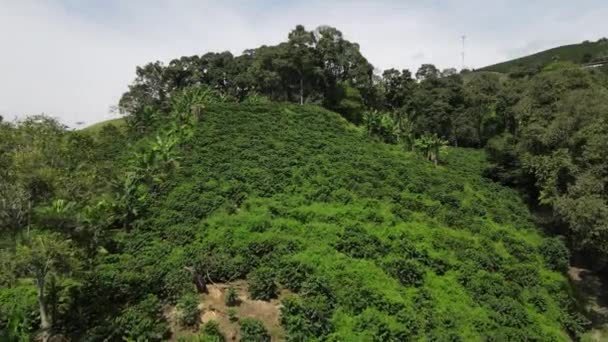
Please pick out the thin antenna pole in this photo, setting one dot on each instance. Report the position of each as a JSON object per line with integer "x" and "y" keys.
{"x": 463, "y": 39}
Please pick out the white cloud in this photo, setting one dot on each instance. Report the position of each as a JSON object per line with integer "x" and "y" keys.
{"x": 73, "y": 60}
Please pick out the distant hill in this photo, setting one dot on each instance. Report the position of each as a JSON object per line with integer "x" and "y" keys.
{"x": 96, "y": 127}
{"x": 582, "y": 53}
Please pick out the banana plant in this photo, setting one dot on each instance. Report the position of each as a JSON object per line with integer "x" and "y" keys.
{"x": 429, "y": 146}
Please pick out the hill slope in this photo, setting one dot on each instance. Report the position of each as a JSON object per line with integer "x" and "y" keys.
{"x": 374, "y": 242}
{"x": 575, "y": 53}
{"x": 96, "y": 127}
{"x": 400, "y": 245}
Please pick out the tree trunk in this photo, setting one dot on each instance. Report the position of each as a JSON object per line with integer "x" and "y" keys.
{"x": 45, "y": 319}
{"x": 301, "y": 90}
{"x": 198, "y": 280}
{"x": 29, "y": 215}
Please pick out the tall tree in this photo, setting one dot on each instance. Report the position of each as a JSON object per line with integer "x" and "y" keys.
{"x": 479, "y": 121}
{"x": 398, "y": 88}
{"x": 44, "y": 257}
{"x": 303, "y": 58}
{"x": 427, "y": 72}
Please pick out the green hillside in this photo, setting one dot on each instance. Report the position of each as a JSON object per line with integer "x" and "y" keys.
{"x": 96, "y": 127}
{"x": 576, "y": 53}
{"x": 379, "y": 244}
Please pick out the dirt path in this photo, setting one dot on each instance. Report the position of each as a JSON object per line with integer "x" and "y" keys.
{"x": 593, "y": 291}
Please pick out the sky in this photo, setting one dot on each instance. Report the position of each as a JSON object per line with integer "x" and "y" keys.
{"x": 73, "y": 59}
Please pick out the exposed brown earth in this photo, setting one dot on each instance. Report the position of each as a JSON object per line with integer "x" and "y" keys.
{"x": 213, "y": 307}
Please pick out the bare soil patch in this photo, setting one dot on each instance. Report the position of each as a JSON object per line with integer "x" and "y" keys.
{"x": 213, "y": 307}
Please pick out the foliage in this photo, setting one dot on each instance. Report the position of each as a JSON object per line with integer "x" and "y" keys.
{"x": 142, "y": 321}
{"x": 317, "y": 66}
{"x": 408, "y": 272}
{"x": 252, "y": 330}
{"x": 305, "y": 319}
{"x": 261, "y": 283}
{"x": 430, "y": 147}
{"x": 44, "y": 257}
{"x": 232, "y": 315}
{"x": 357, "y": 243}
{"x": 215, "y": 180}
{"x": 18, "y": 313}
{"x": 556, "y": 254}
{"x": 232, "y": 297}
{"x": 211, "y": 332}
{"x": 575, "y": 53}
{"x": 293, "y": 274}
{"x": 189, "y": 311}
{"x": 356, "y": 238}
{"x": 555, "y": 152}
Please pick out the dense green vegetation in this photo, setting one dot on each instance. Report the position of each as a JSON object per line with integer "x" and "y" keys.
{"x": 364, "y": 203}
{"x": 376, "y": 242}
{"x": 556, "y": 150}
{"x": 583, "y": 53}
{"x": 94, "y": 129}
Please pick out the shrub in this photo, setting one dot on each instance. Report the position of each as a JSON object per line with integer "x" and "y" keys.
{"x": 409, "y": 272}
{"x": 342, "y": 196}
{"x": 189, "y": 311}
{"x": 142, "y": 321}
{"x": 252, "y": 330}
{"x": 232, "y": 297}
{"x": 485, "y": 285}
{"x": 260, "y": 225}
{"x": 261, "y": 284}
{"x": 555, "y": 254}
{"x": 305, "y": 319}
{"x": 292, "y": 274}
{"x": 537, "y": 299}
{"x": 358, "y": 243}
{"x": 232, "y": 315}
{"x": 211, "y": 332}
{"x": 18, "y": 313}
{"x": 575, "y": 323}
{"x": 317, "y": 286}
{"x": 509, "y": 313}
{"x": 176, "y": 281}
{"x": 381, "y": 327}
{"x": 524, "y": 275}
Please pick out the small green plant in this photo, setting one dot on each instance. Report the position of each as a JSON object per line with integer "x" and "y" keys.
{"x": 232, "y": 297}
{"x": 212, "y": 333}
{"x": 189, "y": 311}
{"x": 232, "y": 315}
